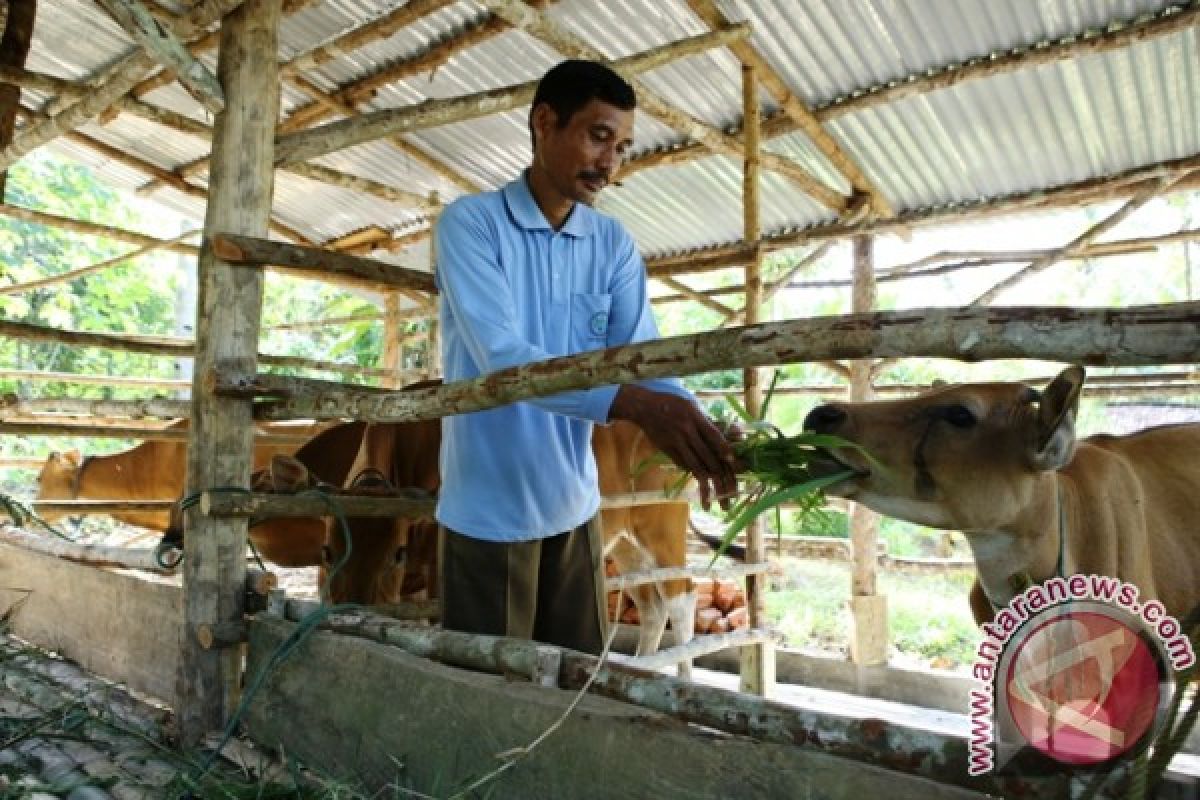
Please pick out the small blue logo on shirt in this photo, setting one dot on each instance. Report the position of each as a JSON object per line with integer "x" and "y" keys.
{"x": 599, "y": 323}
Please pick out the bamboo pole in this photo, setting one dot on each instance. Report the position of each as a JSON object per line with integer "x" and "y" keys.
{"x": 698, "y": 297}
{"x": 71, "y": 275}
{"x": 93, "y": 229}
{"x": 166, "y": 346}
{"x": 115, "y": 81}
{"x": 157, "y": 39}
{"x": 38, "y": 376}
{"x": 758, "y": 661}
{"x": 257, "y": 252}
{"x": 161, "y": 407}
{"x": 520, "y": 15}
{"x": 1093, "y": 190}
{"x": 220, "y": 449}
{"x": 303, "y": 145}
{"x": 1138, "y": 336}
{"x": 363, "y": 87}
{"x": 1152, "y": 190}
{"x": 117, "y": 430}
{"x": 868, "y": 609}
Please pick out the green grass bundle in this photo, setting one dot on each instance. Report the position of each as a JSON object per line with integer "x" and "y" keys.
{"x": 776, "y": 469}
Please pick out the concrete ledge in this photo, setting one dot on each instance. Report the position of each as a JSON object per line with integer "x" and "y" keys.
{"x": 380, "y": 716}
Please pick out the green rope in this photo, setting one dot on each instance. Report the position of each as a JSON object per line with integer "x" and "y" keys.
{"x": 289, "y": 645}
{"x": 22, "y": 514}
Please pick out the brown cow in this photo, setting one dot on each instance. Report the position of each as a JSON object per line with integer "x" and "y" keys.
{"x": 1000, "y": 462}
{"x": 396, "y": 559}
{"x": 153, "y": 470}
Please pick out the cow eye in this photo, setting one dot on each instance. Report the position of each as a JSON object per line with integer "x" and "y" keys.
{"x": 959, "y": 416}
{"x": 401, "y": 554}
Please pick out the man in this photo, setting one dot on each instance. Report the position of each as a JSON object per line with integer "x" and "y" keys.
{"x": 527, "y": 273}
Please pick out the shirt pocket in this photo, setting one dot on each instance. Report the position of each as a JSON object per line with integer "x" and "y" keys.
{"x": 589, "y": 321}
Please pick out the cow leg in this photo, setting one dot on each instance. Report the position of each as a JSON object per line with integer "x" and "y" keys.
{"x": 679, "y": 597}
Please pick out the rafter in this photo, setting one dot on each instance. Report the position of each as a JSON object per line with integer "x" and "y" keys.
{"x": 157, "y": 39}
{"x": 794, "y": 108}
{"x": 303, "y": 145}
{"x": 535, "y": 23}
{"x": 1170, "y": 21}
{"x": 114, "y": 82}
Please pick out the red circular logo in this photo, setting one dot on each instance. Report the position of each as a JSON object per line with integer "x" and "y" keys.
{"x": 1083, "y": 687}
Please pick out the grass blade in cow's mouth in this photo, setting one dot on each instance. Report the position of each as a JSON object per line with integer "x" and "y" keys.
{"x": 778, "y": 469}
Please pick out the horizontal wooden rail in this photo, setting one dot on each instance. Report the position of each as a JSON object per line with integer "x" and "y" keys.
{"x": 1145, "y": 335}
{"x": 312, "y": 262}
{"x": 26, "y": 427}
{"x": 101, "y": 506}
{"x": 237, "y": 504}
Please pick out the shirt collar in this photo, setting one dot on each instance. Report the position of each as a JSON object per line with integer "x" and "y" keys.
{"x": 526, "y": 213}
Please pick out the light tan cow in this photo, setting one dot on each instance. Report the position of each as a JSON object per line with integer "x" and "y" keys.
{"x": 153, "y": 470}
{"x": 1000, "y": 462}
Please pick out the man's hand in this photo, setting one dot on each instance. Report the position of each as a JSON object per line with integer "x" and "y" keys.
{"x": 688, "y": 437}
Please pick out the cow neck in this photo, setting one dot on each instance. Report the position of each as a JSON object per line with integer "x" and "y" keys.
{"x": 77, "y": 481}
{"x": 1018, "y": 582}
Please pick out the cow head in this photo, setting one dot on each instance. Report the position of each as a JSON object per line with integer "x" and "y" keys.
{"x": 374, "y": 571}
{"x": 962, "y": 457}
{"x": 59, "y": 480}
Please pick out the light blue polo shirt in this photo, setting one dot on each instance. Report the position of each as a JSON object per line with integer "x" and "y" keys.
{"x": 513, "y": 290}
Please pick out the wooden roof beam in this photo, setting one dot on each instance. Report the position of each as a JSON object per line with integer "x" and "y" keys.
{"x": 1093, "y": 190}
{"x": 157, "y": 39}
{"x": 1171, "y": 20}
{"x": 112, "y": 84}
{"x": 794, "y": 108}
{"x": 535, "y": 23}
{"x": 303, "y": 145}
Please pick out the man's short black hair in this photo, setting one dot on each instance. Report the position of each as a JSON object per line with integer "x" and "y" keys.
{"x": 571, "y": 85}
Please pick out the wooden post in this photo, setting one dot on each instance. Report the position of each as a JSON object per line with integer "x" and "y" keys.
{"x": 230, "y": 303}
{"x": 393, "y": 348}
{"x": 14, "y": 48}
{"x": 758, "y": 660}
{"x": 868, "y": 636}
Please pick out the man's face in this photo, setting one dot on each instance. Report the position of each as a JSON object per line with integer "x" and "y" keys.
{"x": 581, "y": 159}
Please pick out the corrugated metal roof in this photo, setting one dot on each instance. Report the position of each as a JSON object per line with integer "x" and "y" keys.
{"x": 1033, "y": 128}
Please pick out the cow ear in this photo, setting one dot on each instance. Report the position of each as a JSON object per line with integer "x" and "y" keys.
{"x": 1057, "y": 406}
{"x": 73, "y": 457}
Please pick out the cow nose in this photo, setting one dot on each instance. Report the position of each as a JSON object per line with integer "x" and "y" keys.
{"x": 824, "y": 419}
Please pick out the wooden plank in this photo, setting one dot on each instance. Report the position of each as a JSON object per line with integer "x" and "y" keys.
{"x": 114, "y": 624}
{"x": 251, "y": 251}
{"x": 230, "y": 302}
{"x": 159, "y": 41}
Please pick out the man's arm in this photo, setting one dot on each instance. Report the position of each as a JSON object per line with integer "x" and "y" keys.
{"x": 664, "y": 409}
{"x": 476, "y": 290}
